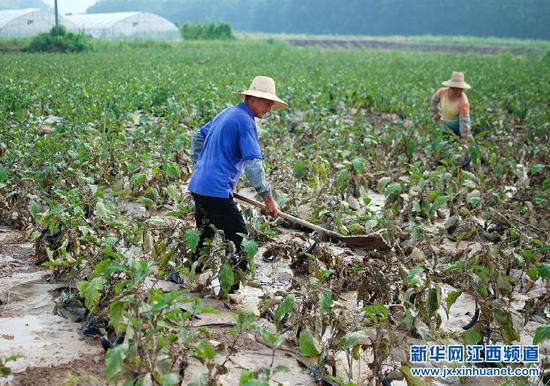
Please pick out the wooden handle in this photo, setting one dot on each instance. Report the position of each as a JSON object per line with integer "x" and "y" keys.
{"x": 291, "y": 218}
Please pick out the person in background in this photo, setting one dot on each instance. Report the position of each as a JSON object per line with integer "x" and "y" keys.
{"x": 221, "y": 150}
{"x": 451, "y": 107}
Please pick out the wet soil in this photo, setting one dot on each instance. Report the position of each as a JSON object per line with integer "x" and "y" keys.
{"x": 50, "y": 345}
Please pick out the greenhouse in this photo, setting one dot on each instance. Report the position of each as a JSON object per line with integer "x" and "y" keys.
{"x": 126, "y": 25}
{"x": 24, "y": 23}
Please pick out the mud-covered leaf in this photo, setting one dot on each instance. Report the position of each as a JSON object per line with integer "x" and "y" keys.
{"x": 473, "y": 198}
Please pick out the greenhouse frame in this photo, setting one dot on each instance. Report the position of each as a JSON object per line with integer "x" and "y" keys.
{"x": 25, "y": 23}
{"x": 126, "y": 25}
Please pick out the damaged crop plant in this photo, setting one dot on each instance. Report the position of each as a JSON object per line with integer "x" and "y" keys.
{"x": 93, "y": 167}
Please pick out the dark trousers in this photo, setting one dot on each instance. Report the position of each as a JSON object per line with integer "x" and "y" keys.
{"x": 224, "y": 215}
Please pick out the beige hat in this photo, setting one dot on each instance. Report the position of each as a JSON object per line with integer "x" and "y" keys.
{"x": 264, "y": 87}
{"x": 457, "y": 80}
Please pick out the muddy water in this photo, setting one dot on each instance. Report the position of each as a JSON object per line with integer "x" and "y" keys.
{"x": 28, "y": 325}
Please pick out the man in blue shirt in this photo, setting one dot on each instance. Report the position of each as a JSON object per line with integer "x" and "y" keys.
{"x": 221, "y": 150}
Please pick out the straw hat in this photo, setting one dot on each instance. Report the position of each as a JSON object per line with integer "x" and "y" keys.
{"x": 457, "y": 80}
{"x": 264, "y": 87}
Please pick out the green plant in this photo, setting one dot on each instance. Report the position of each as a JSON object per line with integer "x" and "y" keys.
{"x": 207, "y": 31}
{"x": 59, "y": 40}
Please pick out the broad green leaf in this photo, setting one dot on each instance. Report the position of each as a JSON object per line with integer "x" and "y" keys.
{"x": 504, "y": 321}
{"x": 114, "y": 360}
{"x": 354, "y": 338}
{"x": 284, "y": 308}
{"x": 91, "y": 291}
{"x": 145, "y": 201}
{"x": 309, "y": 345}
{"x": 473, "y": 198}
{"x": 174, "y": 193}
{"x": 392, "y": 189}
{"x": 471, "y": 337}
{"x": 358, "y": 164}
{"x": 172, "y": 170}
{"x": 250, "y": 247}
{"x": 382, "y": 183}
{"x": 432, "y": 301}
{"x": 102, "y": 210}
{"x": 34, "y": 208}
{"x": 438, "y": 203}
{"x": 326, "y": 302}
{"x": 203, "y": 351}
{"x": 542, "y": 333}
{"x": 451, "y": 299}
{"x": 299, "y": 169}
{"x": 226, "y": 277}
{"x": 192, "y": 238}
{"x": 415, "y": 276}
{"x": 544, "y": 271}
{"x": 116, "y": 312}
{"x": 377, "y": 312}
{"x": 3, "y": 174}
{"x": 342, "y": 178}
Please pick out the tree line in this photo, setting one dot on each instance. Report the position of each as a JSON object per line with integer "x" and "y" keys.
{"x": 500, "y": 18}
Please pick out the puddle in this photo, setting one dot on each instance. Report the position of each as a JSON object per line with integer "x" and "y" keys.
{"x": 28, "y": 325}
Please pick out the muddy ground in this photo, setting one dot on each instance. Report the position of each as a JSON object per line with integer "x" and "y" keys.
{"x": 56, "y": 354}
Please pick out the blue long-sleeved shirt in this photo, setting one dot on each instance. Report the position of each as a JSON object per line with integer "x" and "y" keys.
{"x": 224, "y": 147}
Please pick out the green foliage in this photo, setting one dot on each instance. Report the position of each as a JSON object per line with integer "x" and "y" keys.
{"x": 284, "y": 308}
{"x": 227, "y": 277}
{"x": 59, "y": 40}
{"x": 91, "y": 291}
{"x": 542, "y": 333}
{"x": 4, "y": 369}
{"x": 192, "y": 238}
{"x": 308, "y": 344}
{"x": 207, "y": 31}
{"x": 97, "y": 164}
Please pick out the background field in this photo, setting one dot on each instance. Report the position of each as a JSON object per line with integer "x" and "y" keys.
{"x": 84, "y": 137}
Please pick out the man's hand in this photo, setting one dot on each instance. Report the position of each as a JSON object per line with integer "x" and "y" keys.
{"x": 437, "y": 117}
{"x": 271, "y": 206}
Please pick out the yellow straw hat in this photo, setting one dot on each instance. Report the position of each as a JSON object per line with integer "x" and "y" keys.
{"x": 264, "y": 87}
{"x": 457, "y": 80}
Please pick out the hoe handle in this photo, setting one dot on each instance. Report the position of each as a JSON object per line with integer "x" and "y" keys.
{"x": 292, "y": 219}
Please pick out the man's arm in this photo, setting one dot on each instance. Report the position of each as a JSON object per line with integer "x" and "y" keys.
{"x": 464, "y": 122}
{"x": 255, "y": 173}
{"x": 464, "y": 119}
{"x": 435, "y": 106}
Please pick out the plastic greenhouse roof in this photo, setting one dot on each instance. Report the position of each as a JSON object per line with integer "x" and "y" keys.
{"x": 100, "y": 20}
{"x": 12, "y": 14}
